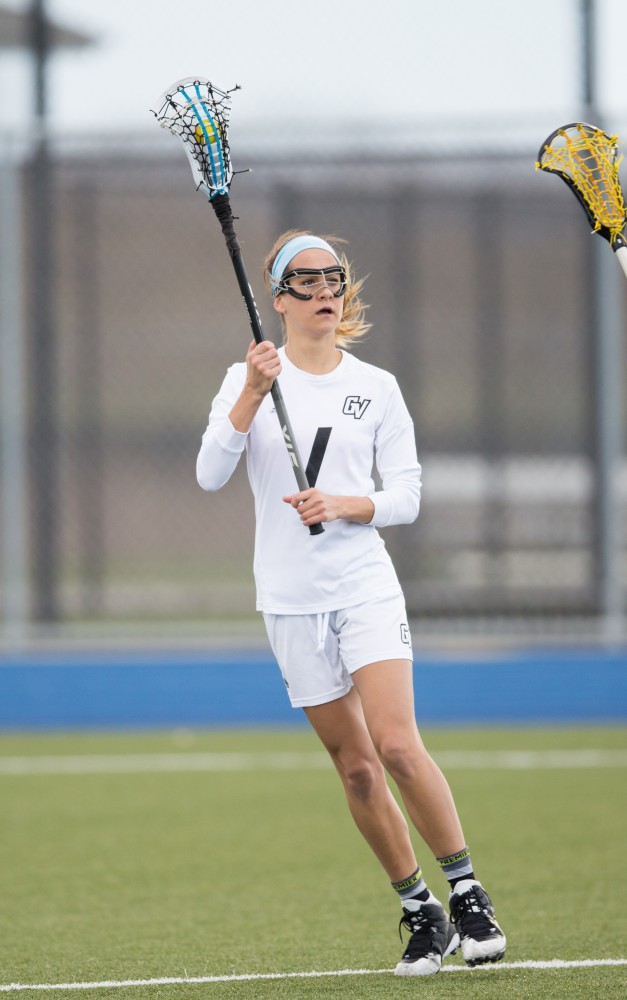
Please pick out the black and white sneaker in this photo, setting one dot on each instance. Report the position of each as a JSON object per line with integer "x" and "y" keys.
{"x": 472, "y": 914}
{"x": 432, "y": 939}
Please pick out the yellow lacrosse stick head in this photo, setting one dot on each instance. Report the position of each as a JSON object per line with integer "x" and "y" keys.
{"x": 586, "y": 158}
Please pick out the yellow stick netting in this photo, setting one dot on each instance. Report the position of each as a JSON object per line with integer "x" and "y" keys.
{"x": 586, "y": 157}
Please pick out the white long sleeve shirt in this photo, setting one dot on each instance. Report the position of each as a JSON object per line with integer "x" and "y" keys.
{"x": 367, "y": 422}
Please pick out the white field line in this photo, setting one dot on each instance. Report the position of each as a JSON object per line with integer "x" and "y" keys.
{"x": 555, "y": 963}
{"x": 139, "y": 763}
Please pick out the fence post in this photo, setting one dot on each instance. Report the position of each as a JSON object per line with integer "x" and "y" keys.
{"x": 13, "y": 464}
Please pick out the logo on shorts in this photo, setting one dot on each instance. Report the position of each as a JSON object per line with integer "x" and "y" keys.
{"x": 355, "y": 407}
{"x": 405, "y": 634}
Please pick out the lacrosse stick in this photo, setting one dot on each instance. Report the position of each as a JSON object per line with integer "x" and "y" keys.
{"x": 585, "y": 157}
{"x": 198, "y": 113}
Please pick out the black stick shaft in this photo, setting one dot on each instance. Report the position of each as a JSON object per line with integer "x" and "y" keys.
{"x": 222, "y": 208}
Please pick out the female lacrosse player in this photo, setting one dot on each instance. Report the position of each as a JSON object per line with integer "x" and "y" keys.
{"x": 332, "y": 604}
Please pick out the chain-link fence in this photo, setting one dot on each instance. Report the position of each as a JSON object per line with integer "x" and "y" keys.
{"x": 482, "y": 303}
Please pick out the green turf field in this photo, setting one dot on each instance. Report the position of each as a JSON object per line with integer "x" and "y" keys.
{"x": 125, "y": 860}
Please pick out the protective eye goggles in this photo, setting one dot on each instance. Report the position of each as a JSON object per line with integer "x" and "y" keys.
{"x": 304, "y": 282}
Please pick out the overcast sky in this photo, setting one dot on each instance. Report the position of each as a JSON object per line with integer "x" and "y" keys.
{"x": 414, "y": 62}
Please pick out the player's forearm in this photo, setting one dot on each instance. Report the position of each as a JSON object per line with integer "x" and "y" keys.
{"x": 245, "y": 409}
{"x": 219, "y": 454}
{"x": 360, "y": 509}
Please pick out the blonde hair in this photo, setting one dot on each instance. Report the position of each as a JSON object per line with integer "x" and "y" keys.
{"x": 352, "y": 325}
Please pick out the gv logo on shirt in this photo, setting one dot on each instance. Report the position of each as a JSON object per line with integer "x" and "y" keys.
{"x": 355, "y": 407}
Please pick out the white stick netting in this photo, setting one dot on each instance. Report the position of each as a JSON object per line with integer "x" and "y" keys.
{"x": 198, "y": 113}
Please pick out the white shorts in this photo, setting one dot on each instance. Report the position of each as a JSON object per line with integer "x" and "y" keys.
{"x": 318, "y": 653}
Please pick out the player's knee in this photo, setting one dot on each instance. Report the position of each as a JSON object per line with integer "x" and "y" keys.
{"x": 402, "y": 759}
{"x": 360, "y": 778}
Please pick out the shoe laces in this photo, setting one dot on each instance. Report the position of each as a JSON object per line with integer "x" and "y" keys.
{"x": 413, "y": 922}
{"x": 472, "y": 911}
{"x": 422, "y": 931}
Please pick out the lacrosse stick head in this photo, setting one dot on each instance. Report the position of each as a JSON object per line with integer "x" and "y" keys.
{"x": 198, "y": 113}
{"x": 586, "y": 158}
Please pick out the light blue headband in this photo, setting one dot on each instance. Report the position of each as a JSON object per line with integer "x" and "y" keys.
{"x": 290, "y": 249}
